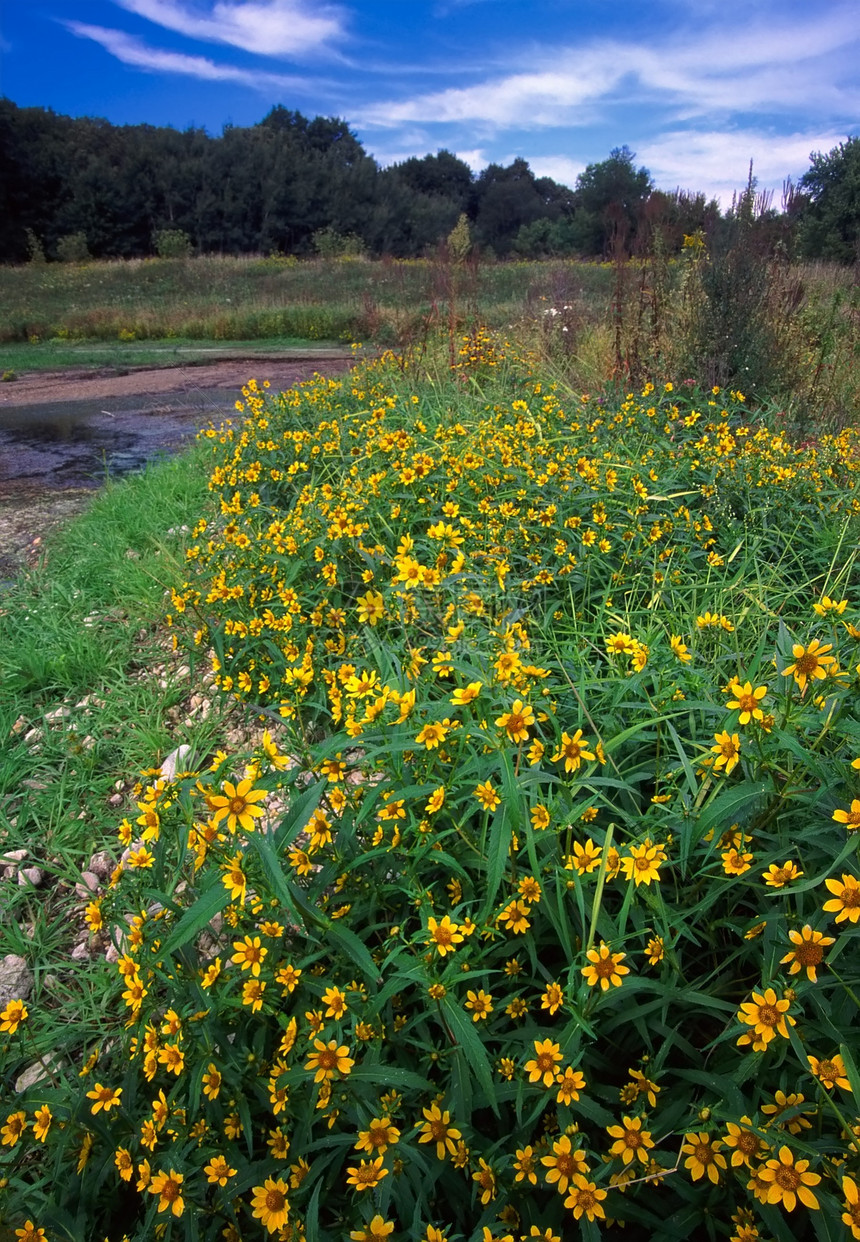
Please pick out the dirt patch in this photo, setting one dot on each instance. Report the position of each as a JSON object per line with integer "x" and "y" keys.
{"x": 53, "y": 426}
{"x": 51, "y": 387}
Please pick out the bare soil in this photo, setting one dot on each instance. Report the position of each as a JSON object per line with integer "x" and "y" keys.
{"x": 49, "y": 387}
{"x": 31, "y": 507}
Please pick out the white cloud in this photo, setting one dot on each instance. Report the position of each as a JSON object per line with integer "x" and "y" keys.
{"x": 477, "y": 158}
{"x": 562, "y": 169}
{"x": 757, "y": 67}
{"x": 132, "y": 51}
{"x": 536, "y": 99}
{"x": 265, "y": 27}
{"x": 717, "y": 162}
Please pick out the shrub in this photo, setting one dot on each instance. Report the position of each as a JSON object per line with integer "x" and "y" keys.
{"x": 330, "y": 244}
{"x": 73, "y": 248}
{"x": 535, "y": 904}
{"x": 35, "y": 249}
{"x": 172, "y": 244}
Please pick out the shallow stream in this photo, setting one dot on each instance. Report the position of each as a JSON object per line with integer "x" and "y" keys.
{"x": 56, "y": 449}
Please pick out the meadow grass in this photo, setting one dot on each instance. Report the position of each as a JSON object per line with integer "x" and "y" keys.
{"x": 533, "y": 911}
{"x": 222, "y": 298}
{"x": 784, "y": 333}
{"x": 121, "y": 356}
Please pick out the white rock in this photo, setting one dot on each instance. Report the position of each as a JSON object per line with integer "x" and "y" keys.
{"x": 87, "y": 885}
{"x": 101, "y": 864}
{"x": 58, "y": 713}
{"x": 30, "y": 875}
{"x": 175, "y": 762}
{"x": 13, "y": 856}
{"x": 80, "y": 953}
{"x": 38, "y": 1072}
{"x": 16, "y": 979}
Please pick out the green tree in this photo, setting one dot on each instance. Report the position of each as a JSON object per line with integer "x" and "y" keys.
{"x": 830, "y": 214}
{"x": 509, "y": 198}
{"x": 609, "y": 199}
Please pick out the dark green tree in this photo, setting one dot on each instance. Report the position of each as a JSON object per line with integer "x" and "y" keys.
{"x": 506, "y": 199}
{"x": 442, "y": 176}
{"x": 609, "y": 200}
{"x": 830, "y": 209}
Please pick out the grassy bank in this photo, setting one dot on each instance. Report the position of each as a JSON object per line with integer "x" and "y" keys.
{"x": 220, "y": 298}
{"x": 90, "y": 693}
{"x": 779, "y": 332}
{"x": 58, "y": 354}
{"x": 536, "y": 904}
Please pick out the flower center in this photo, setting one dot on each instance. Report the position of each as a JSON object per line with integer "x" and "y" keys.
{"x": 809, "y": 954}
{"x": 807, "y": 663}
{"x": 275, "y": 1201}
{"x": 787, "y": 1178}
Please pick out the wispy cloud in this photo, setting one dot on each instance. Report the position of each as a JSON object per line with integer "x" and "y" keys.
{"x": 287, "y": 28}
{"x": 762, "y": 67}
{"x": 717, "y": 162}
{"x": 562, "y": 169}
{"x": 134, "y": 52}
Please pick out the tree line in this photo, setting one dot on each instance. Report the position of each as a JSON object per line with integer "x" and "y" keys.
{"x": 77, "y": 187}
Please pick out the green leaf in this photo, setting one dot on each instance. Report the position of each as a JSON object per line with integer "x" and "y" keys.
{"x": 850, "y": 1069}
{"x": 692, "y": 784}
{"x": 287, "y": 892}
{"x": 719, "y": 814}
{"x": 463, "y": 1030}
{"x": 353, "y": 948}
{"x": 497, "y": 859}
{"x": 196, "y": 918}
{"x": 300, "y": 810}
{"x": 385, "y": 1076}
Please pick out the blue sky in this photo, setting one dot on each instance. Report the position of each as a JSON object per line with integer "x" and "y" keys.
{"x": 696, "y": 88}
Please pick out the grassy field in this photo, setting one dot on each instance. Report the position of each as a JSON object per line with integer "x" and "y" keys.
{"x": 526, "y": 901}
{"x": 220, "y": 298}
{"x": 787, "y": 334}
{"x": 57, "y": 354}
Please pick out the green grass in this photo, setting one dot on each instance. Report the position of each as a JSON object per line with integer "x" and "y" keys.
{"x": 84, "y": 626}
{"x": 121, "y": 356}
{"x": 222, "y": 299}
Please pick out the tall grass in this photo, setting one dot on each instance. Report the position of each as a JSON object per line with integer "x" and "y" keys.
{"x": 223, "y": 298}
{"x": 739, "y": 317}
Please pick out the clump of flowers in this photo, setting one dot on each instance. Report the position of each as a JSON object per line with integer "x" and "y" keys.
{"x": 536, "y": 906}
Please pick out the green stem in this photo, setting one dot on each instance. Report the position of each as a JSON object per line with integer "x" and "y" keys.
{"x": 598, "y": 892}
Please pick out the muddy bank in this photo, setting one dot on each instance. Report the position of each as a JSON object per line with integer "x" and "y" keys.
{"x": 50, "y": 387}
{"x": 63, "y": 433}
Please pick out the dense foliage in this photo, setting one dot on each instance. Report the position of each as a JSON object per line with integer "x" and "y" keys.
{"x": 74, "y": 187}
{"x": 535, "y": 907}
{"x": 830, "y": 227}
